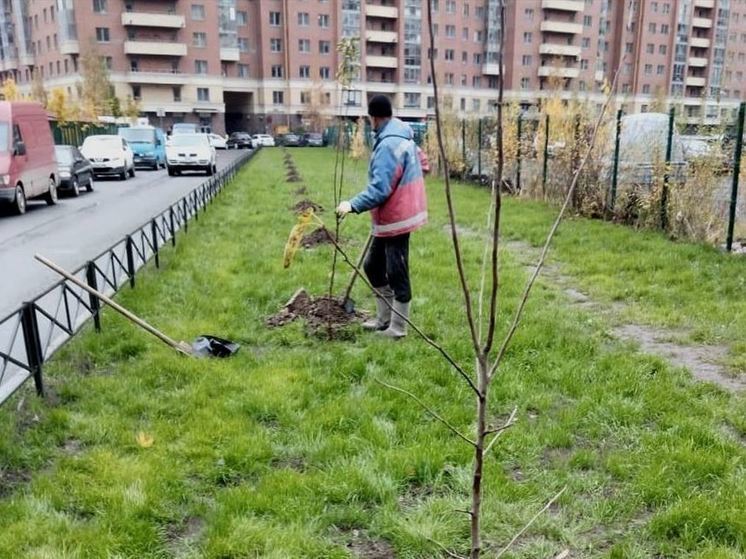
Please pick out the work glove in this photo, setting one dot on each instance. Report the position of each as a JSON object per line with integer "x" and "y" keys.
{"x": 344, "y": 208}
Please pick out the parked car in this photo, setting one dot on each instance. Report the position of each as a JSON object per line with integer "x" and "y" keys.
{"x": 148, "y": 145}
{"x": 190, "y": 152}
{"x": 217, "y": 141}
{"x": 110, "y": 155}
{"x": 184, "y": 128}
{"x": 313, "y": 139}
{"x": 264, "y": 140}
{"x": 707, "y": 152}
{"x": 239, "y": 140}
{"x": 74, "y": 170}
{"x": 291, "y": 140}
{"x": 28, "y": 168}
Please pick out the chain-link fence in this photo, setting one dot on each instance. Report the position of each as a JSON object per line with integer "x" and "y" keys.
{"x": 652, "y": 170}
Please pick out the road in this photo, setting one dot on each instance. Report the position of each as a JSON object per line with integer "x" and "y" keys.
{"x": 78, "y": 229}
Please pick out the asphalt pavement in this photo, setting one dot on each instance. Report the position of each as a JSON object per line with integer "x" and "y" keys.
{"x": 78, "y": 229}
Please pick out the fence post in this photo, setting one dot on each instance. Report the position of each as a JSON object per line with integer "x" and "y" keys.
{"x": 615, "y": 170}
{"x": 90, "y": 275}
{"x": 736, "y": 177}
{"x": 463, "y": 146}
{"x": 154, "y": 233}
{"x": 172, "y": 225}
{"x": 186, "y": 214}
{"x": 129, "y": 246}
{"x": 518, "y": 153}
{"x": 664, "y": 191}
{"x": 196, "y": 207}
{"x": 479, "y": 151}
{"x": 32, "y": 341}
{"x": 546, "y": 158}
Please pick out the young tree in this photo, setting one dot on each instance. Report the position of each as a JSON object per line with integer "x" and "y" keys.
{"x": 96, "y": 88}
{"x": 38, "y": 93}
{"x": 59, "y": 105}
{"x": 9, "y": 90}
{"x": 131, "y": 108}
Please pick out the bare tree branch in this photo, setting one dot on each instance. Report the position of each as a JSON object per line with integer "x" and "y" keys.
{"x": 444, "y": 549}
{"x": 500, "y": 430}
{"x": 447, "y": 179}
{"x": 414, "y": 327}
{"x": 552, "y": 231}
{"x": 530, "y": 522}
{"x": 427, "y": 409}
{"x": 497, "y": 194}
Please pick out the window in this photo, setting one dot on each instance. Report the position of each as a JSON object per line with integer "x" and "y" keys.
{"x": 198, "y": 12}
{"x": 586, "y": 44}
{"x": 664, "y": 28}
{"x": 102, "y": 34}
{"x": 275, "y": 45}
{"x": 476, "y": 81}
{"x": 412, "y": 100}
{"x": 275, "y": 19}
{"x": 651, "y": 27}
{"x": 527, "y": 37}
{"x": 99, "y": 6}
{"x": 451, "y": 31}
{"x": 477, "y": 58}
{"x": 646, "y": 89}
{"x": 628, "y": 47}
{"x": 243, "y": 44}
{"x": 200, "y": 66}
{"x": 476, "y": 105}
{"x": 449, "y": 78}
{"x": 463, "y": 80}
{"x": 305, "y": 97}
{"x": 587, "y": 21}
{"x": 304, "y": 45}
{"x": 465, "y": 34}
{"x": 325, "y": 47}
{"x": 528, "y": 14}
{"x": 136, "y": 92}
{"x": 277, "y": 71}
{"x": 660, "y": 70}
{"x": 242, "y": 18}
{"x": 648, "y": 68}
{"x": 464, "y": 57}
{"x": 463, "y": 104}
{"x": 278, "y": 97}
{"x": 666, "y": 8}
{"x": 324, "y": 20}
{"x": 431, "y": 102}
{"x": 449, "y": 54}
{"x": 650, "y": 48}
{"x": 466, "y": 10}
{"x": 324, "y": 72}
{"x": 67, "y": 65}
{"x": 525, "y": 83}
{"x": 203, "y": 94}
{"x": 582, "y": 86}
{"x": 654, "y": 6}
{"x": 243, "y": 70}
{"x": 108, "y": 60}
{"x": 45, "y": 15}
{"x": 199, "y": 39}
{"x": 526, "y": 60}
{"x": 450, "y": 6}
{"x": 304, "y": 72}
{"x": 303, "y": 19}
{"x": 662, "y": 49}
{"x": 584, "y": 64}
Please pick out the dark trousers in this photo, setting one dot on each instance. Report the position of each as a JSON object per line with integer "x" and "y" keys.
{"x": 387, "y": 263}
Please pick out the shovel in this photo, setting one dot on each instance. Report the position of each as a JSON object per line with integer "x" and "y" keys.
{"x": 203, "y": 346}
{"x": 348, "y": 303}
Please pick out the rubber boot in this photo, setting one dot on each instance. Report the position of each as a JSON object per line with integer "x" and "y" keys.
{"x": 383, "y": 311}
{"x": 398, "y": 327}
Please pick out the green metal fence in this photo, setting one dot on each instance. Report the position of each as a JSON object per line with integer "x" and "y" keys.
{"x": 73, "y": 133}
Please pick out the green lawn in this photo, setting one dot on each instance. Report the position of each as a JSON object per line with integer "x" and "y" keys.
{"x": 291, "y": 449}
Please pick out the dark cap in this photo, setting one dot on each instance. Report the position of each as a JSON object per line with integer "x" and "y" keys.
{"x": 380, "y": 106}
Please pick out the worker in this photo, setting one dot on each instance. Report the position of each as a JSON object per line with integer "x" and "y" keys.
{"x": 395, "y": 197}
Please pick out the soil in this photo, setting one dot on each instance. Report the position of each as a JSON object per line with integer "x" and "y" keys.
{"x": 364, "y": 547}
{"x": 320, "y": 236}
{"x": 318, "y": 312}
{"x": 10, "y": 479}
{"x": 306, "y": 204}
{"x": 292, "y": 177}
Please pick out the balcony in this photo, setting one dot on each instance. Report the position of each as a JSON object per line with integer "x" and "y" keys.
{"x": 155, "y": 48}
{"x": 27, "y": 59}
{"x": 553, "y": 71}
{"x": 230, "y": 54}
{"x": 69, "y": 47}
{"x": 381, "y": 61}
{"x": 163, "y": 77}
{"x": 382, "y": 37}
{"x": 564, "y": 5}
{"x": 145, "y": 19}
{"x": 562, "y": 27}
{"x": 704, "y": 3}
{"x": 390, "y": 12}
{"x": 702, "y": 22}
{"x": 697, "y": 61}
{"x": 692, "y": 81}
{"x": 700, "y": 43}
{"x": 9, "y": 64}
{"x": 559, "y": 50}
{"x": 491, "y": 69}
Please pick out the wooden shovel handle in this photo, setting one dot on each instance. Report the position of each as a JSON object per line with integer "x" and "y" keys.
{"x": 359, "y": 264}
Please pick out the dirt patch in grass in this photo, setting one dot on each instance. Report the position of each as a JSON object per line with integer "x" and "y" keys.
{"x": 295, "y": 463}
{"x": 12, "y": 478}
{"x": 363, "y": 546}
{"x": 302, "y": 191}
{"x": 318, "y": 312}
{"x": 307, "y": 204}
{"x": 180, "y": 537}
{"x": 320, "y": 236}
{"x": 293, "y": 176}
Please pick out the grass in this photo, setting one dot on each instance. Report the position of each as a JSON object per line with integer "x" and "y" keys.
{"x": 291, "y": 449}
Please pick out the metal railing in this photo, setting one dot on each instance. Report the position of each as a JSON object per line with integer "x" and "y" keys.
{"x": 30, "y": 335}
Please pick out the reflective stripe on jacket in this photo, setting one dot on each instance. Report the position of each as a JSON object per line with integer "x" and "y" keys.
{"x": 395, "y": 194}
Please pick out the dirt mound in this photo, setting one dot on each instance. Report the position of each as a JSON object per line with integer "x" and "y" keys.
{"x": 321, "y": 236}
{"x": 306, "y": 204}
{"x": 318, "y": 312}
{"x": 292, "y": 177}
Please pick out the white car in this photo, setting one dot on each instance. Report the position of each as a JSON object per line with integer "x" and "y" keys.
{"x": 109, "y": 155}
{"x": 218, "y": 142}
{"x": 190, "y": 152}
{"x": 264, "y": 140}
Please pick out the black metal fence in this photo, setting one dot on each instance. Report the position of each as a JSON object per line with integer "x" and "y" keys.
{"x": 30, "y": 335}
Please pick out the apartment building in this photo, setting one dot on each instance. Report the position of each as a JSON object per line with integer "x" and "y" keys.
{"x": 258, "y": 64}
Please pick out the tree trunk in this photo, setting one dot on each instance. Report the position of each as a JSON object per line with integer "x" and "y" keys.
{"x": 476, "y": 488}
